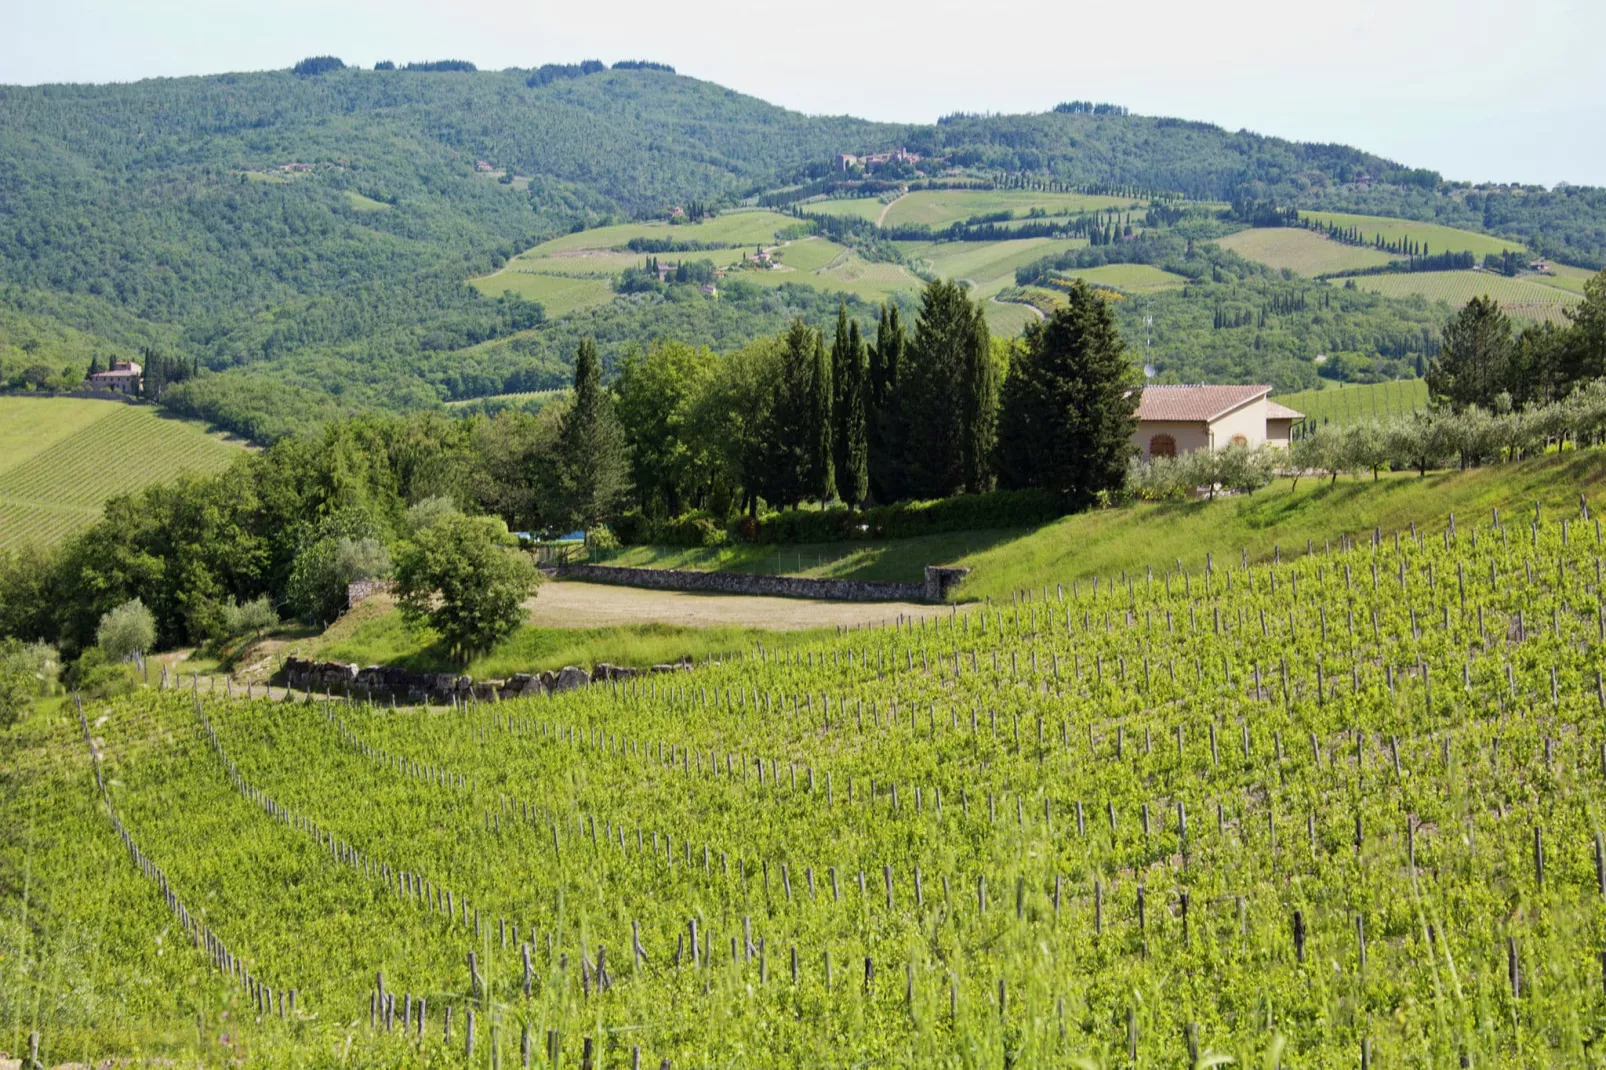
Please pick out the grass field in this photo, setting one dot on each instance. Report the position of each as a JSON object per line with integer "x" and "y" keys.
{"x": 558, "y": 294}
{"x": 1128, "y": 278}
{"x": 365, "y": 204}
{"x": 939, "y": 208}
{"x": 1107, "y": 542}
{"x": 61, "y": 458}
{"x": 1562, "y": 277}
{"x": 1437, "y": 239}
{"x": 1518, "y": 297}
{"x": 862, "y": 207}
{"x": 1347, "y": 403}
{"x": 1008, "y": 318}
{"x": 991, "y": 265}
{"x": 1301, "y": 250}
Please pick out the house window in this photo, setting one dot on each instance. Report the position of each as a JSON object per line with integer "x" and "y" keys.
{"x": 1239, "y": 440}
{"x": 1162, "y": 446}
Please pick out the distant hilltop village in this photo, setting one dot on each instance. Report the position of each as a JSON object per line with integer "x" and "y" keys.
{"x": 847, "y": 161}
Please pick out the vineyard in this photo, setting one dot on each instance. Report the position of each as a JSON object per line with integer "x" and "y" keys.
{"x": 60, "y": 458}
{"x": 1339, "y": 808}
{"x": 1343, "y": 404}
{"x": 1518, "y": 297}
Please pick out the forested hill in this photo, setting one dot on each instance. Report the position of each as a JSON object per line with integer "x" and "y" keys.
{"x": 309, "y": 235}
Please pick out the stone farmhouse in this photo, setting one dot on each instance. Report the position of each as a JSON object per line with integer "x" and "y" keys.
{"x": 122, "y": 377}
{"x": 1176, "y": 419}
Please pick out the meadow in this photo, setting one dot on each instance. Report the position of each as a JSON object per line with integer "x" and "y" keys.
{"x": 61, "y": 458}
{"x": 1435, "y": 238}
{"x": 1301, "y": 250}
{"x": 1347, "y": 403}
{"x": 1518, "y": 297}
{"x": 1336, "y": 806}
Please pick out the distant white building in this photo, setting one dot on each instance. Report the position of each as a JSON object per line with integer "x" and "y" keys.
{"x": 1177, "y": 419}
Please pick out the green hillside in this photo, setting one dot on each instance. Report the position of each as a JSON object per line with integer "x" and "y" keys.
{"x": 1519, "y": 297}
{"x": 60, "y": 458}
{"x": 310, "y": 237}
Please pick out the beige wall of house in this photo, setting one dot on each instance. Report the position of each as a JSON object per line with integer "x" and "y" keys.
{"x": 1280, "y": 432}
{"x": 1187, "y": 434}
{"x": 1248, "y": 421}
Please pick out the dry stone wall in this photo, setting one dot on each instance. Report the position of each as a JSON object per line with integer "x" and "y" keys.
{"x": 381, "y": 681}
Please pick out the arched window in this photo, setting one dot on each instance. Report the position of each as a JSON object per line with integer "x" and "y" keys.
{"x": 1239, "y": 440}
{"x": 1162, "y": 446}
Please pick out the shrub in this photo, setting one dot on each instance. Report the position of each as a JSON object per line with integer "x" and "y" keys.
{"x": 458, "y": 578}
{"x": 251, "y": 617}
{"x": 95, "y": 675}
{"x": 127, "y": 630}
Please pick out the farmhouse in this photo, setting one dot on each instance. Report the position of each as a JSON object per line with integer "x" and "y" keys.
{"x": 1175, "y": 419}
{"x": 847, "y": 161}
{"x": 123, "y": 377}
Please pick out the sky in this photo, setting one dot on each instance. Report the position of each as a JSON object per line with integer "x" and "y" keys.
{"x": 1480, "y": 90}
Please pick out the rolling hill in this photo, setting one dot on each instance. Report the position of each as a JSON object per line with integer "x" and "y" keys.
{"x": 309, "y": 237}
{"x": 60, "y": 458}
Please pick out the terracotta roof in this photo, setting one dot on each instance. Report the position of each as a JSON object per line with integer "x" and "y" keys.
{"x": 1275, "y": 411}
{"x": 1190, "y": 404}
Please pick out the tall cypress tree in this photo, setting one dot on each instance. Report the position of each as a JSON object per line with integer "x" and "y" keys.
{"x": 852, "y": 426}
{"x": 592, "y": 469}
{"x": 821, "y": 477}
{"x": 1068, "y": 403}
{"x": 839, "y": 382}
{"x": 946, "y": 394}
{"x": 884, "y": 414}
{"x": 979, "y": 412}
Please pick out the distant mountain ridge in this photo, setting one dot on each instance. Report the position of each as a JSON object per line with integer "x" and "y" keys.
{"x": 317, "y": 229}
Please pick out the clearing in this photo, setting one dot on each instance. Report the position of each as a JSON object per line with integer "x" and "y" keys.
{"x": 567, "y": 604}
{"x": 1128, "y": 278}
{"x": 61, "y": 458}
{"x": 1301, "y": 250}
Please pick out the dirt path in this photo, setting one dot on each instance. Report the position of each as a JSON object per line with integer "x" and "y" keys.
{"x": 1034, "y": 309}
{"x": 882, "y": 217}
{"x": 569, "y": 604}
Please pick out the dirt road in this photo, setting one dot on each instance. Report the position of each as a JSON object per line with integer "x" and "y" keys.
{"x": 569, "y": 604}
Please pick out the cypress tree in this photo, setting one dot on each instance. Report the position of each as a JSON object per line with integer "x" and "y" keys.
{"x": 979, "y": 417}
{"x": 1067, "y": 420}
{"x": 947, "y": 394}
{"x": 821, "y": 469}
{"x": 852, "y": 429}
{"x": 884, "y": 413}
{"x": 592, "y": 469}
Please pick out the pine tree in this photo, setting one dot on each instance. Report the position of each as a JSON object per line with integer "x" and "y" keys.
{"x": 592, "y": 466}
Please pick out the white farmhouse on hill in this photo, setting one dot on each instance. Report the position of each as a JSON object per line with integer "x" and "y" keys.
{"x": 1176, "y": 419}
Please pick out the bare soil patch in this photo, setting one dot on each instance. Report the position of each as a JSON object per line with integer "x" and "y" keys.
{"x": 571, "y": 604}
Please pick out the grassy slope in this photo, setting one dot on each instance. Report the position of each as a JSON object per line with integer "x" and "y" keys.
{"x": 1301, "y": 250}
{"x": 1133, "y": 278}
{"x": 1518, "y": 297}
{"x": 939, "y": 208}
{"x": 1438, "y": 239}
{"x": 60, "y": 458}
{"x": 1106, "y": 543}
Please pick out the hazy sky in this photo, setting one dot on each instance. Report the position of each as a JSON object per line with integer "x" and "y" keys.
{"x": 1478, "y": 89}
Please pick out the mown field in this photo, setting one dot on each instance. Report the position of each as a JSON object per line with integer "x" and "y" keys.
{"x": 1347, "y": 403}
{"x": 1518, "y": 297}
{"x": 61, "y": 458}
{"x": 1339, "y": 807}
{"x": 1301, "y": 250}
{"x": 1436, "y": 238}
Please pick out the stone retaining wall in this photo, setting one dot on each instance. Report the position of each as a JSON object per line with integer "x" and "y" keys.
{"x": 934, "y": 589}
{"x": 380, "y": 681}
